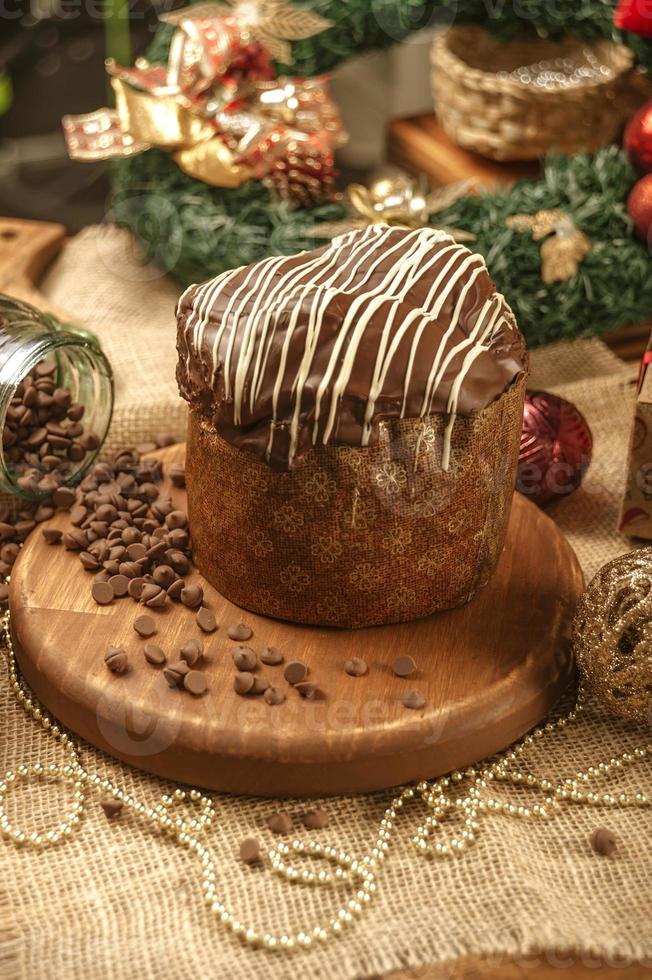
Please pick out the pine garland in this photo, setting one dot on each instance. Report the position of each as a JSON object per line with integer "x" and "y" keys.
{"x": 195, "y": 231}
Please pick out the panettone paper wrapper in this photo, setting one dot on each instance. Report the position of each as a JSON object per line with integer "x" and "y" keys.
{"x": 354, "y": 537}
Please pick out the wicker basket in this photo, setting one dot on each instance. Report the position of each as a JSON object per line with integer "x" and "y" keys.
{"x": 492, "y": 97}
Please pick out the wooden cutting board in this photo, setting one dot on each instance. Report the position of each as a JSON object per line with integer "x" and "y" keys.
{"x": 489, "y": 671}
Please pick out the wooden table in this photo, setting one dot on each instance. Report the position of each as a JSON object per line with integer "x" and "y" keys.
{"x": 420, "y": 146}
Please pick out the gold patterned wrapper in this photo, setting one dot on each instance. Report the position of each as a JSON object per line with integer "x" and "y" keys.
{"x": 354, "y": 537}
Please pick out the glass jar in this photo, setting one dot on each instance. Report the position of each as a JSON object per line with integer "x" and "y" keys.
{"x": 27, "y": 338}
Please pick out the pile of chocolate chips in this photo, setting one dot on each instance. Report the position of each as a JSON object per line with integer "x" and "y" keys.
{"x": 128, "y": 534}
{"x": 43, "y": 439}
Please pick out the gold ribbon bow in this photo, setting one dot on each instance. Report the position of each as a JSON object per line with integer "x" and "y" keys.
{"x": 396, "y": 200}
{"x": 218, "y": 106}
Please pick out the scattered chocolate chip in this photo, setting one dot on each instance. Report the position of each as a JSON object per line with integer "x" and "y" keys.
{"x": 163, "y": 575}
{"x": 116, "y": 660}
{"x": 316, "y": 819}
{"x": 244, "y": 658}
{"x": 112, "y": 807}
{"x": 243, "y": 683}
{"x": 78, "y": 515}
{"x": 356, "y": 667}
{"x": 177, "y": 475}
{"x": 260, "y": 685}
{"x": 307, "y": 690}
{"x": 135, "y": 588}
{"x": 239, "y": 632}
{"x": 413, "y": 699}
{"x": 175, "y": 590}
{"x": 192, "y": 596}
{"x": 102, "y": 592}
{"x": 295, "y": 672}
{"x": 195, "y": 683}
{"x": 271, "y": 657}
{"x": 249, "y": 851}
{"x": 52, "y": 535}
{"x": 205, "y": 619}
{"x": 120, "y": 585}
{"x": 175, "y": 673}
{"x": 64, "y": 497}
{"x": 154, "y": 655}
{"x": 150, "y": 591}
{"x": 144, "y": 626}
{"x": 274, "y": 695}
{"x": 603, "y": 841}
{"x": 176, "y": 519}
{"x": 192, "y": 651}
{"x": 280, "y": 823}
{"x": 136, "y": 550}
{"x": 404, "y": 666}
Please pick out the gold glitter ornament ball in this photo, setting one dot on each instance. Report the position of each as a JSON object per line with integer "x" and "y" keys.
{"x": 613, "y": 636}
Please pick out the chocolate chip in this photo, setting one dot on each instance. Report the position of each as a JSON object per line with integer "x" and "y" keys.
{"x": 176, "y": 519}
{"x": 116, "y": 660}
{"x": 316, "y": 819}
{"x": 150, "y": 591}
{"x": 156, "y": 601}
{"x": 154, "y": 655}
{"x": 356, "y": 667}
{"x": 603, "y": 841}
{"x": 192, "y": 596}
{"x": 112, "y": 807}
{"x": 205, "y": 619}
{"x": 120, "y": 585}
{"x": 413, "y": 699}
{"x": 175, "y": 590}
{"x": 274, "y": 695}
{"x": 244, "y": 658}
{"x": 175, "y": 673}
{"x": 144, "y": 626}
{"x": 243, "y": 683}
{"x": 135, "y": 588}
{"x": 307, "y": 690}
{"x": 90, "y": 562}
{"x": 271, "y": 657}
{"x": 102, "y": 592}
{"x": 295, "y": 672}
{"x": 136, "y": 550}
{"x": 64, "y": 497}
{"x": 404, "y": 666}
{"x": 280, "y": 823}
{"x": 249, "y": 851}
{"x": 195, "y": 683}
{"x": 192, "y": 652}
{"x": 78, "y": 515}
{"x": 52, "y": 535}
{"x": 260, "y": 685}
{"x": 240, "y": 632}
{"x": 163, "y": 575}
{"x": 177, "y": 475}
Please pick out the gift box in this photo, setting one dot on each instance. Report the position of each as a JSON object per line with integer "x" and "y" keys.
{"x": 636, "y": 510}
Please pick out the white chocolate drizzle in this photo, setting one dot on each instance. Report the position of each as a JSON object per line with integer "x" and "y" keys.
{"x": 270, "y": 333}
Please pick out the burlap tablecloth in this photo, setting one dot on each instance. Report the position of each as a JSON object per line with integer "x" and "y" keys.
{"x": 118, "y": 902}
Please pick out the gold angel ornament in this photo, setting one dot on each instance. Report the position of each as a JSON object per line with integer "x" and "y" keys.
{"x": 564, "y": 246}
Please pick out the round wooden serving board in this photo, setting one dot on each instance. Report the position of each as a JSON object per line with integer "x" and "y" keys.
{"x": 489, "y": 670}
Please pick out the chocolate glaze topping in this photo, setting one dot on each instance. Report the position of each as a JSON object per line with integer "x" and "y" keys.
{"x": 317, "y": 348}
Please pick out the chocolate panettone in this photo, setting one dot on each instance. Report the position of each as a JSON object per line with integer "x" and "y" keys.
{"x": 355, "y": 415}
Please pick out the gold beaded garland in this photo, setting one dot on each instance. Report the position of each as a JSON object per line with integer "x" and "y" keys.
{"x": 360, "y": 873}
{"x": 613, "y": 636}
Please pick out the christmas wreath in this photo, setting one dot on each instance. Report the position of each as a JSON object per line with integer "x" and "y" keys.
{"x": 195, "y": 230}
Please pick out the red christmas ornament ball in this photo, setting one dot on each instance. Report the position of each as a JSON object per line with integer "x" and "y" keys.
{"x": 556, "y": 448}
{"x": 639, "y": 207}
{"x": 634, "y": 16}
{"x": 638, "y": 139}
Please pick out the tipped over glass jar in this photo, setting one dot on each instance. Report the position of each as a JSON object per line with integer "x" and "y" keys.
{"x": 56, "y": 401}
